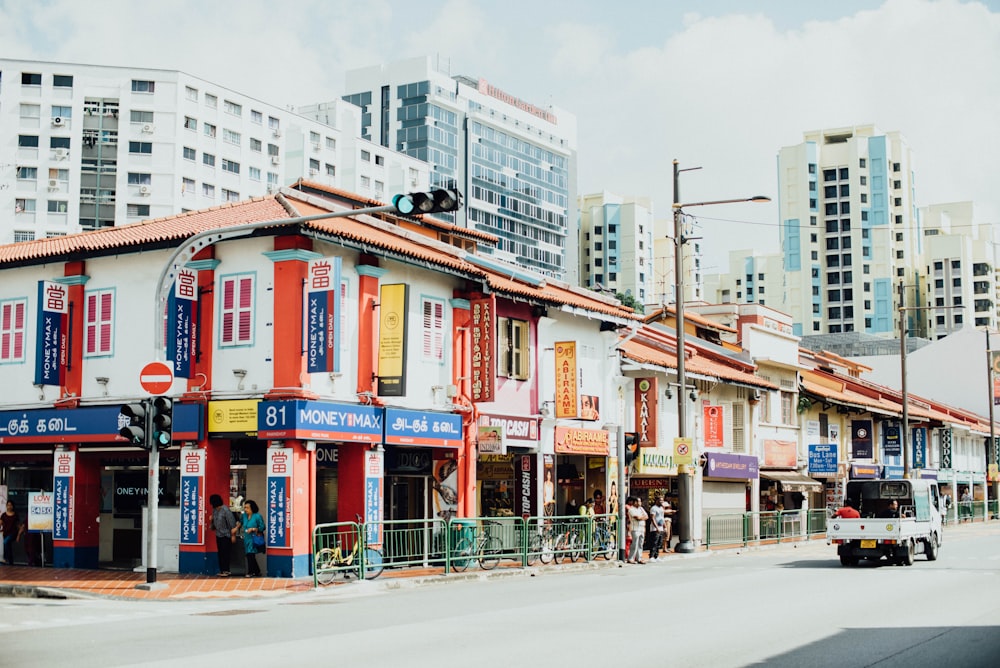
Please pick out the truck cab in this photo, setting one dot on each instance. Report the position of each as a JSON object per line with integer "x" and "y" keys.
{"x": 899, "y": 518}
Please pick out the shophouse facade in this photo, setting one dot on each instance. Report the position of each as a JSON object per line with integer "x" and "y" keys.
{"x": 329, "y": 369}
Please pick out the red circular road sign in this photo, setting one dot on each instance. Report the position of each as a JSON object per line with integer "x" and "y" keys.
{"x": 156, "y": 378}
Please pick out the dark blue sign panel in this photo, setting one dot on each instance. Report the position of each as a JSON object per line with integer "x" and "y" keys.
{"x": 919, "y": 435}
{"x": 319, "y": 421}
{"x": 725, "y": 465}
{"x": 91, "y": 424}
{"x": 279, "y": 506}
{"x": 50, "y": 339}
{"x": 823, "y": 459}
{"x": 180, "y": 322}
{"x": 403, "y": 427}
{"x": 893, "y": 472}
{"x": 891, "y": 444}
{"x": 63, "y": 492}
{"x": 192, "y": 496}
{"x": 861, "y": 439}
{"x": 322, "y": 315}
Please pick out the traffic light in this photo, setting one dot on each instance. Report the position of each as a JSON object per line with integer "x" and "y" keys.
{"x": 435, "y": 201}
{"x": 133, "y": 423}
{"x": 631, "y": 446}
{"x": 163, "y": 409}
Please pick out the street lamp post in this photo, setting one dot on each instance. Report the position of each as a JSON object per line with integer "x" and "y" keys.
{"x": 686, "y": 473}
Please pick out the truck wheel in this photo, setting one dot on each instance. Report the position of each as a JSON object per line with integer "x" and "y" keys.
{"x": 931, "y": 548}
{"x": 848, "y": 561}
{"x": 907, "y": 559}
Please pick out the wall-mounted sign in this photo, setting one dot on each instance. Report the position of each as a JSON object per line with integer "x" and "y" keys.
{"x": 713, "y": 419}
{"x": 890, "y": 439}
{"x": 319, "y": 421}
{"x": 234, "y": 418}
{"x": 51, "y": 332}
{"x": 823, "y": 459}
{"x": 89, "y": 424}
{"x": 63, "y": 494}
{"x": 404, "y": 427}
{"x": 279, "y": 499}
{"x": 192, "y": 499}
{"x": 571, "y": 441}
{"x": 483, "y": 363}
{"x": 392, "y": 325}
{"x": 655, "y": 461}
{"x": 778, "y": 454}
{"x": 523, "y": 430}
{"x": 645, "y": 411}
{"x": 566, "y": 379}
{"x": 181, "y": 326}
{"x": 490, "y": 441}
{"x": 861, "y": 439}
{"x": 322, "y": 315}
{"x": 726, "y": 465}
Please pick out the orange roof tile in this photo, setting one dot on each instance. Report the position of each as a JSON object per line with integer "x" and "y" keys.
{"x": 653, "y": 351}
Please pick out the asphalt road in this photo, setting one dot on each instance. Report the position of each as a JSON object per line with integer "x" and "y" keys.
{"x": 785, "y": 606}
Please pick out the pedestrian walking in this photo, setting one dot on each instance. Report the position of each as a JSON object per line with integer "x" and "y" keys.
{"x": 253, "y": 536}
{"x": 224, "y": 525}
{"x": 637, "y": 517}
{"x": 656, "y": 527}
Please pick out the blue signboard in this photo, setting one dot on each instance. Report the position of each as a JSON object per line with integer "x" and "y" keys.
{"x": 192, "y": 499}
{"x": 322, "y": 315}
{"x": 403, "y": 427}
{"x": 63, "y": 476}
{"x": 823, "y": 459}
{"x": 279, "y": 507}
{"x": 180, "y": 322}
{"x": 891, "y": 446}
{"x": 319, "y": 421}
{"x": 50, "y": 339}
{"x": 892, "y": 472}
{"x": 919, "y": 447}
{"x": 90, "y": 424}
{"x": 374, "y": 473}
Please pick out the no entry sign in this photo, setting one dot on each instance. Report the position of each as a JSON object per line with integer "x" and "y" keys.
{"x": 156, "y": 378}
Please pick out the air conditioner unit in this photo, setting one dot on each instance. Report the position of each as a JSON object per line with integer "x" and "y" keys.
{"x": 145, "y": 190}
{"x": 313, "y": 172}
{"x": 58, "y": 121}
{"x": 271, "y": 188}
{"x": 60, "y": 153}
{"x": 53, "y": 184}
{"x": 275, "y": 160}
{"x": 148, "y": 128}
{"x": 277, "y": 133}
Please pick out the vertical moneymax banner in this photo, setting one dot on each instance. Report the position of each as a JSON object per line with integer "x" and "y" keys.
{"x": 322, "y": 315}
{"x": 392, "y": 307}
{"x": 483, "y": 331}
{"x": 63, "y": 494}
{"x": 192, "y": 496}
{"x": 374, "y": 473}
{"x": 279, "y": 503}
{"x": 566, "y": 379}
{"x": 180, "y": 322}
{"x": 52, "y": 330}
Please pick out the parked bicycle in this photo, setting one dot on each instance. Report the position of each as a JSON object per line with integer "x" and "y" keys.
{"x": 541, "y": 543}
{"x": 332, "y": 560}
{"x": 603, "y": 542}
{"x": 569, "y": 543}
{"x": 484, "y": 548}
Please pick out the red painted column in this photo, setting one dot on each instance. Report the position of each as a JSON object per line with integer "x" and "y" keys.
{"x": 75, "y": 280}
{"x": 291, "y": 257}
{"x": 295, "y": 560}
{"x": 462, "y": 379}
{"x": 368, "y": 326}
{"x": 83, "y": 549}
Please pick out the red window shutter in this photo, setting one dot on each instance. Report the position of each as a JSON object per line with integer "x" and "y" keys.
{"x": 228, "y": 290}
{"x": 90, "y": 324}
{"x": 106, "y": 307}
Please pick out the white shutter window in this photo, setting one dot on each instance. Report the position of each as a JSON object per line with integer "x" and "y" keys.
{"x": 433, "y": 330}
{"x": 736, "y": 418}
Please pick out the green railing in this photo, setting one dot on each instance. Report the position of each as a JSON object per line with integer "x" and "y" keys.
{"x": 333, "y": 545}
{"x": 764, "y": 526}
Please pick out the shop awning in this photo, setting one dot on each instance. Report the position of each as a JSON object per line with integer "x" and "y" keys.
{"x": 792, "y": 481}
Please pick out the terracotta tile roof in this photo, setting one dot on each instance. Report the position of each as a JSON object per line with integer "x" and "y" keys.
{"x": 668, "y": 313}
{"x": 366, "y": 231}
{"x": 660, "y": 351}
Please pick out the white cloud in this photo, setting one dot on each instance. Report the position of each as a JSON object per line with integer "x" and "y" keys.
{"x": 648, "y": 82}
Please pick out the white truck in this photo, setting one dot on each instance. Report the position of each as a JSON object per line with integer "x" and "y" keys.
{"x": 899, "y": 518}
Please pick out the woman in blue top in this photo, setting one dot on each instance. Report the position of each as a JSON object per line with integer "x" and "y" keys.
{"x": 253, "y": 525}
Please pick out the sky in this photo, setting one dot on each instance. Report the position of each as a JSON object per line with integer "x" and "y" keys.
{"x": 716, "y": 84}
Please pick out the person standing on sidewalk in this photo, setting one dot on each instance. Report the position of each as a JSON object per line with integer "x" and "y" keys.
{"x": 637, "y": 517}
{"x": 657, "y": 526}
{"x": 10, "y": 524}
{"x": 224, "y": 526}
{"x": 253, "y": 536}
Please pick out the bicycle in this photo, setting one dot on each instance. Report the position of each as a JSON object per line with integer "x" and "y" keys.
{"x": 541, "y": 544}
{"x": 332, "y": 560}
{"x": 569, "y": 544}
{"x": 603, "y": 543}
{"x": 486, "y": 549}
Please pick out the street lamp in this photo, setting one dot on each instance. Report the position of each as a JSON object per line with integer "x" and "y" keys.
{"x": 684, "y": 486}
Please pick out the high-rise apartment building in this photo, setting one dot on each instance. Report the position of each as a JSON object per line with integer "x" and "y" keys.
{"x": 88, "y": 146}
{"x": 849, "y": 229}
{"x": 514, "y": 162}
{"x": 616, "y": 244}
{"x": 753, "y": 278}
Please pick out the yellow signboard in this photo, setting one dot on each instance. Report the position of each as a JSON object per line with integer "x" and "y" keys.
{"x": 566, "y": 379}
{"x": 655, "y": 461}
{"x": 682, "y": 451}
{"x": 392, "y": 340}
{"x": 233, "y": 417}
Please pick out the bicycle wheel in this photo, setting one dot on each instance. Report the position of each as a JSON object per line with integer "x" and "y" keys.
{"x": 547, "y": 551}
{"x": 576, "y": 548}
{"x": 534, "y": 548}
{"x": 491, "y": 554}
{"x": 461, "y": 555}
{"x": 326, "y": 566}
{"x": 561, "y": 548}
{"x": 373, "y": 563}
